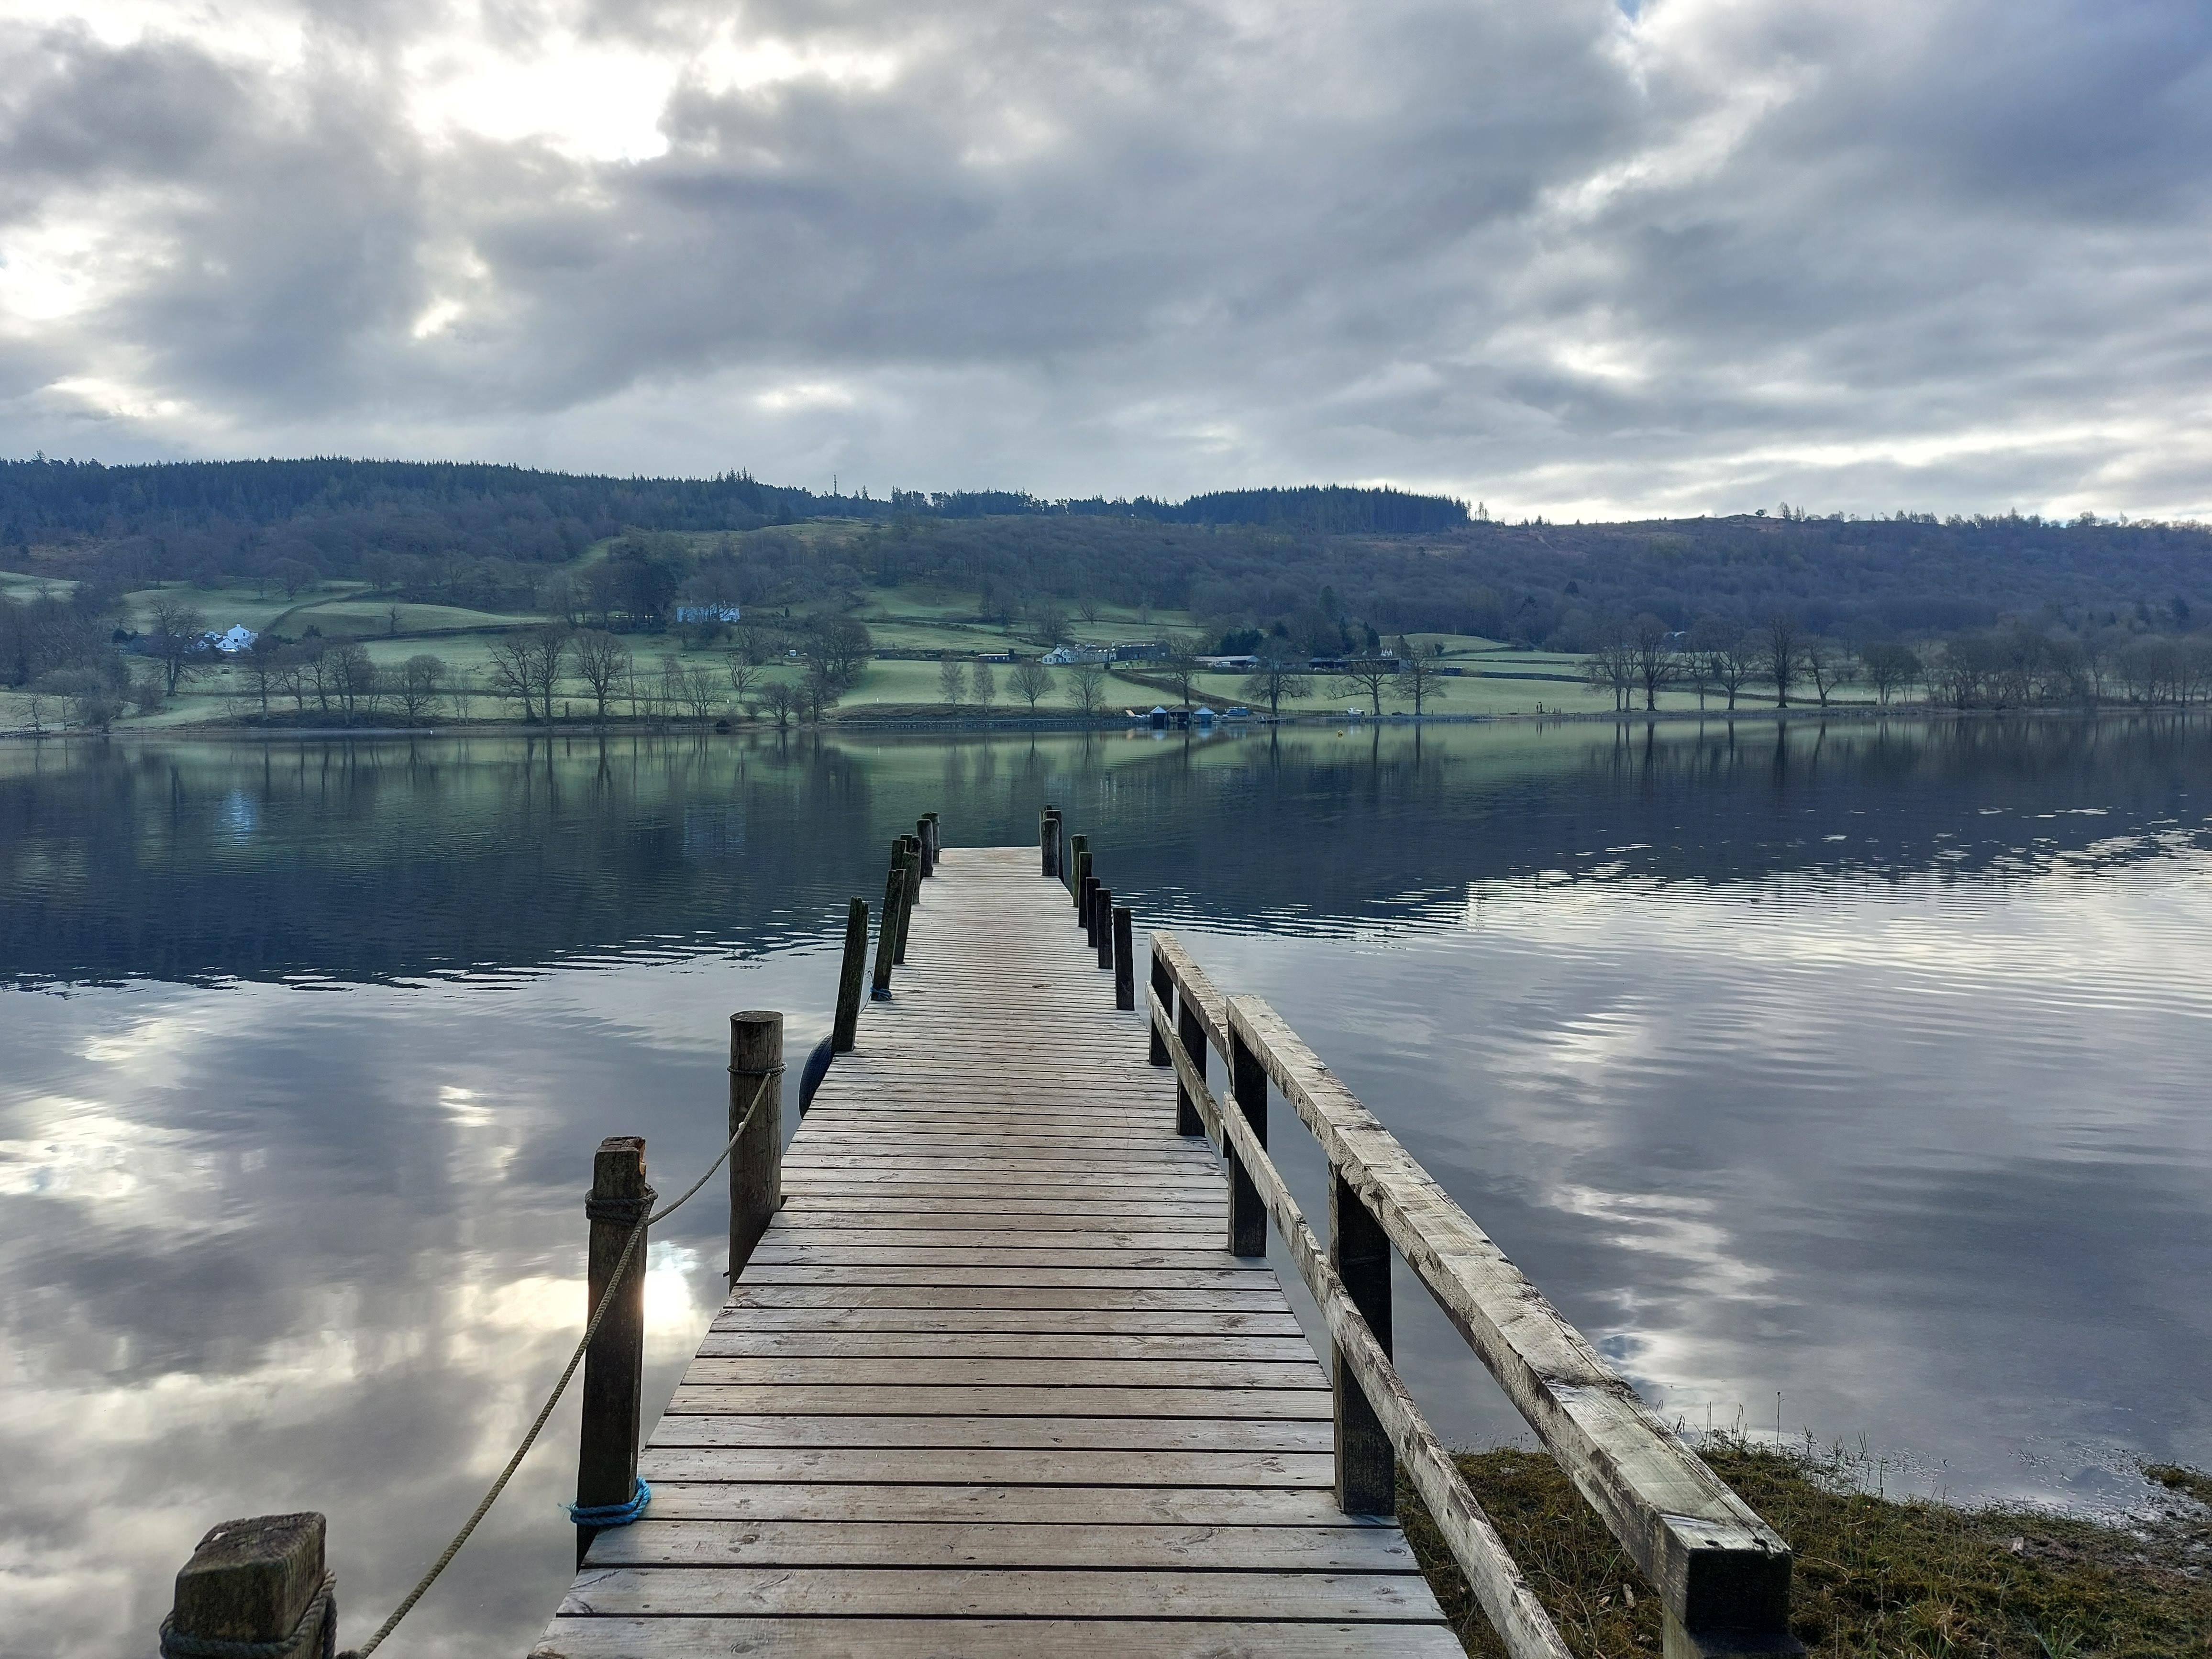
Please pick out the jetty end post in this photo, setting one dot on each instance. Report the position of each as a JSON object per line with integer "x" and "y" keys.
{"x": 1101, "y": 925}
{"x": 1248, "y": 1212}
{"x": 850, "y": 973}
{"x": 756, "y": 1160}
{"x": 1359, "y": 1250}
{"x": 879, "y": 988}
{"x": 259, "y": 1579}
{"x": 614, "y": 1365}
{"x": 935, "y": 836}
{"x": 1125, "y": 967}
{"x": 921, "y": 843}
{"x": 1049, "y": 840}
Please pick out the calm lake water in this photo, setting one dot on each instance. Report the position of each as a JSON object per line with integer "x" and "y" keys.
{"x": 1863, "y": 1066}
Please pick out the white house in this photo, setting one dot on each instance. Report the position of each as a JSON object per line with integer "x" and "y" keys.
{"x": 706, "y": 613}
{"x": 238, "y": 637}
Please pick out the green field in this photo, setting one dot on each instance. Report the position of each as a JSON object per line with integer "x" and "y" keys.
{"x": 1493, "y": 678}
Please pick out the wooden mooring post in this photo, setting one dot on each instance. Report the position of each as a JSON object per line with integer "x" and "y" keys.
{"x": 921, "y": 847}
{"x": 845, "y": 1029}
{"x": 1101, "y": 925}
{"x": 256, "y": 1580}
{"x": 879, "y": 988}
{"x": 757, "y": 1126}
{"x": 1049, "y": 840}
{"x": 910, "y": 895}
{"x": 614, "y": 1365}
{"x": 1125, "y": 967}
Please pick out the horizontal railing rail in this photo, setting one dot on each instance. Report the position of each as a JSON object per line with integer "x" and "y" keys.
{"x": 1722, "y": 1574}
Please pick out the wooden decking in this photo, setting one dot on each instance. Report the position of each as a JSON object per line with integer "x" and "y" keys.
{"x": 991, "y": 1385}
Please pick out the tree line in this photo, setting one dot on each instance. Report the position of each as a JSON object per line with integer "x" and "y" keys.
{"x": 2015, "y": 666}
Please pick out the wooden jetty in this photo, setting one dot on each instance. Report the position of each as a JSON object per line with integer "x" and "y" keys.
{"x": 991, "y": 1382}
{"x": 1004, "y": 1370}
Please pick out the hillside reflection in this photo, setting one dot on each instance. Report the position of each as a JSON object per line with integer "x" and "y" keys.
{"x": 396, "y": 860}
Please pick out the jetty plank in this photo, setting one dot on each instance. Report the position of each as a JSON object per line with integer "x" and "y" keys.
{"x": 991, "y": 1382}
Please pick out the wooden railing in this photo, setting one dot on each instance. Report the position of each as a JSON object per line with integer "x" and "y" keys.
{"x": 1721, "y": 1573}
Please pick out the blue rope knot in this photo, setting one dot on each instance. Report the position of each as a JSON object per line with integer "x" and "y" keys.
{"x": 612, "y": 1515}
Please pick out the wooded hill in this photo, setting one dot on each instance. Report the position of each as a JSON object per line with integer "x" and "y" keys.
{"x": 1319, "y": 565}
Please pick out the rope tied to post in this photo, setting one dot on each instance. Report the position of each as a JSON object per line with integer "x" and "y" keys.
{"x": 612, "y": 1515}
{"x": 644, "y": 1495}
{"x": 319, "y": 1623}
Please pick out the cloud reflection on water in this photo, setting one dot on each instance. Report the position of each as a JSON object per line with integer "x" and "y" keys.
{"x": 1905, "y": 1126}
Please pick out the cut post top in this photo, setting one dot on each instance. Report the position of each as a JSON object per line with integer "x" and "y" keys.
{"x": 251, "y": 1580}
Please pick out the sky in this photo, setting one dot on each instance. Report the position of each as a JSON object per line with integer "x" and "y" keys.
{"x": 1570, "y": 256}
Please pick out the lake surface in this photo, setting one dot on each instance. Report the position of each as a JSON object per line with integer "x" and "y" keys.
{"x": 1863, "y": 1066}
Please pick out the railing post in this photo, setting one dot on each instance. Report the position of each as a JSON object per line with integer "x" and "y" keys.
{"x": 756, "y": 1160}
{"x": 614, "y": 1365}
{"x": 1359, "y": 1250}
{"x": 854, "y": 969}
{"x": 879, "y": 988}
{"x": 1102, "y": 924}
{"x": 1248, "y": 1213}
{"x": 261, "y": 1579}
{"x": 922, "y": 846}
{"x": 1163, "y": 988}
{"x": 1125, "y": 967}
{"x": 1190, "y": 1031}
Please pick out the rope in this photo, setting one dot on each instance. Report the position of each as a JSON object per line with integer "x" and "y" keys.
{"x": 591, "y": 1330}
{"x": 313, "y": 1623}
{"x": 612, "y": 1515}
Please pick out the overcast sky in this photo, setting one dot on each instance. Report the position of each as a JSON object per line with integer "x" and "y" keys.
{"x": 1563, "y": 256}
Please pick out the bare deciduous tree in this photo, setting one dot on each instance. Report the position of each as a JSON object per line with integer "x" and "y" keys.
{"x": 1781, "y": 653}
{"x": 420, "y": 681}
{"x": 1368, "y": 677}
{"x": 984, "y": 686}
{"x": 176, "y": 635}
{"x": 1086, "y": 686}
{"x": 1031, "y": 681}
{"x": 952, "y": 678}
{"x": 1418, "y": 683}
{"x": 601, "y": 660}
{"x": 1278, "y": 675}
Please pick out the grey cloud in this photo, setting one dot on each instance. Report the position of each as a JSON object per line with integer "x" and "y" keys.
{"x": 1544, "y": 255}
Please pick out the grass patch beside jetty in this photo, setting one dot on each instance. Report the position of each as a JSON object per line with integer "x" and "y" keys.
{"x": 1873, "y": 1575}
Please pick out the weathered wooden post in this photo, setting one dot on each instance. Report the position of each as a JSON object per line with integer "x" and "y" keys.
{"x": 1075, "y": 866}
{"x": 1125, "y": 967}
{"x": 913, "y": 896}
{"x": 1247, "y": 1215}
{"x": 936, "y": 842}
{"x": 853, "y": 970}
{"x": 922, "y": 846}
{"x": 756, "y": 1160}
{"x": 1048, "y": 843}
{"x": 1086, "y": 908}
{"x": 1359, "y": 1250}
{"x": 879, "y": 988}
{"x": 1190, "y": 1031}
{"x": 1101, "y": 925}
{"x": 614, "y": 1365}
{"x": 256, "y": 1580}
{"x": 1163, "y": 988}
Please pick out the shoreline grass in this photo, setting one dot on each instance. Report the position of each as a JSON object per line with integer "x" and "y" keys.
{"x": 1873, "y": 1575}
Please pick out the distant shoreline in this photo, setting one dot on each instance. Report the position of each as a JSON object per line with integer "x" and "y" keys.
{"x": 1859, "y": 712}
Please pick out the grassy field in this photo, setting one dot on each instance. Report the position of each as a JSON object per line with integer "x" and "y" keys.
{"x": 1494, "y": 679}
{"x": 1873, "y": 1575}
